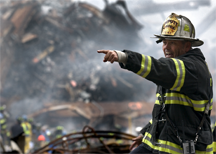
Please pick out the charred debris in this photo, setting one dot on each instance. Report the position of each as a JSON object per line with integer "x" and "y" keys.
{"x": 89, "y": 141}
{"x": 48, "y": 54}
{"x": 55, "y": 54}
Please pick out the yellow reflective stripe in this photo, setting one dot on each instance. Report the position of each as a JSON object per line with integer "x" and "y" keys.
{"x": 4, "y": 126}
{"x": 164, "y": 146}
{"x": 214, "y": 146}
{"x": 180, "y": 69}
{"x": 209, "y": 150}
{"x": 145, "y": 66}
{"x": 2, "y": 121}
{"x": 181, "y": 99}
{"x": 111, "y": 134}
{"x": 157, "y": 101}
{"x": 150, "y": 121}
{"x": 211, "y": 82}
{"x": 119, "y": 141}
{"x": 170, "y": 147}
{"x": 211, "y": 104}
{"x": 26, "y": 128}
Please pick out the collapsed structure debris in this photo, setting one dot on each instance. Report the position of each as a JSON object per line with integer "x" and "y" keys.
{"x": 49, "y": 55}
{"x": 89, "y": 141}
{"x": 49, "y": 66}
{"x": 47, "y": 52}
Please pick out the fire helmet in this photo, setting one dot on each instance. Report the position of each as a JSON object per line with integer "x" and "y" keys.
{"x": 41, "y": 138}
{"x": 178, "y": 27}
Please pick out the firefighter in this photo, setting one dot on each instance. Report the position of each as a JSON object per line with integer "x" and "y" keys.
{"x": 17, "y": 134}
{"x": 214, "y": 139}
{"x": 35, "y": 131}
{"x": 59, "y": 132}
{"x": 28, "y": 133}
{"x": 3, "y": 122}
{"x": 181, "y": 114}
{"x": 41, "y": 140}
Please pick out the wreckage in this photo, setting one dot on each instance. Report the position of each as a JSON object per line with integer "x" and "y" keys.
{"x": 48, "y": 58}
{"x": 40, "y": 50}
{"x": 53, "y": 56}
{"x": 49, "y": 55}
{"x": 89, "y": 141}
{"x": 51, "y": 72}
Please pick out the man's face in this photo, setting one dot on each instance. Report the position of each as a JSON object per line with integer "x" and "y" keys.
{"x": 173, "y": 48}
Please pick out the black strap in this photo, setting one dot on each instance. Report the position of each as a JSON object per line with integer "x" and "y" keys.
{"x": 162, "y": 102}
{"x": 174, "y": 127}
{"x": 204, "y": 116}
{"x": 189, "y": 147}
{"x": 159, "y": 41}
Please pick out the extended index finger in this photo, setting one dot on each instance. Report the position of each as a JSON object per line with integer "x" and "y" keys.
{"x": 103, "y": 51}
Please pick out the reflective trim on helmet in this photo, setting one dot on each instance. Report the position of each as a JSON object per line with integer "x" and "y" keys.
{"x": 187, "y": 28}
{"x": 169, "y": 147}
{"x": 180, "y": 69}
{"x": 181, "y": 99}
{"x": 145, "y": 66}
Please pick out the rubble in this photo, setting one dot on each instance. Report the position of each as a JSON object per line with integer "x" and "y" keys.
{"x": 90, "y": 141}
{"x": 48, "y": 47}
{"x": 48, "y": 54}
{"x": 51, "y": 55}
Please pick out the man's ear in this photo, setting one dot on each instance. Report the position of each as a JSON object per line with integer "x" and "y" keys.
{"x": 188, "y": 46}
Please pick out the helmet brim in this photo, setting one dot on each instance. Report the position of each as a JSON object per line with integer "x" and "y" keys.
{"x": 194, "y": 42}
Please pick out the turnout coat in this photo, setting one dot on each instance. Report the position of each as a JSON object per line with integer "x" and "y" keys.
{"x": 185, "y": 84}
{"x": 214, "y": 139}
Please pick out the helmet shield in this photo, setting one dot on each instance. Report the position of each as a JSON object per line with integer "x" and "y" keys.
{"x": 170, "y": 26}
{"x": 178, "y": 27}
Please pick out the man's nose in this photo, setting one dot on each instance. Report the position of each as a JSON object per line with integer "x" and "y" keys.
{"x": 167, "y": 46}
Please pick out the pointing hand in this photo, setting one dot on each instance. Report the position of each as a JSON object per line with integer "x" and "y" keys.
{"x": 110, "y": 55}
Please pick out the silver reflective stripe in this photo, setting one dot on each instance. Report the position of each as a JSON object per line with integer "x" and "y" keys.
{"x": 185, "y": 100}
{"x": 145, "y": 66}
{"x": 180, "y": 70}
{"x": 209, "y": 150}
{"x": 181, "y": 99}
{"x": 160, "y": 146}
{"x": 171, "y": 148}
{"x": 180, "y": 76}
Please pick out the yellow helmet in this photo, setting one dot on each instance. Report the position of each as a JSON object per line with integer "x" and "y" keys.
{"x": 178, "y": 27}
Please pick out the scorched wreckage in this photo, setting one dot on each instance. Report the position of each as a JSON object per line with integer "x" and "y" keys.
{"x": 51, "y": 72}
{"x": 48, "y": 54}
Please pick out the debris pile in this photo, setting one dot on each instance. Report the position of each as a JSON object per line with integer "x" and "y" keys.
{"x": 90, "y": 141}
{"x": 50, "y": 53}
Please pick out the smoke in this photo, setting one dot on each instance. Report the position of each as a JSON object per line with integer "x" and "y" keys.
{"x": 75, "y": 57}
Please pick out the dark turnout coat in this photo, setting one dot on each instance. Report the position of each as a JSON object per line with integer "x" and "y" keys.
{"x": 186, "y": 86}
{"x": 214, "y": 139}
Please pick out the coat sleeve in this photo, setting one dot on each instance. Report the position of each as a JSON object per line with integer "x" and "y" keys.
{"x": 170, "y": 73}
{"x": 214, "y": 138}
{"x": 146, "y": 128}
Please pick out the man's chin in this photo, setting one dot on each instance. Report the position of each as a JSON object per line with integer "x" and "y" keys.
{"x": 169, "y": 56}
